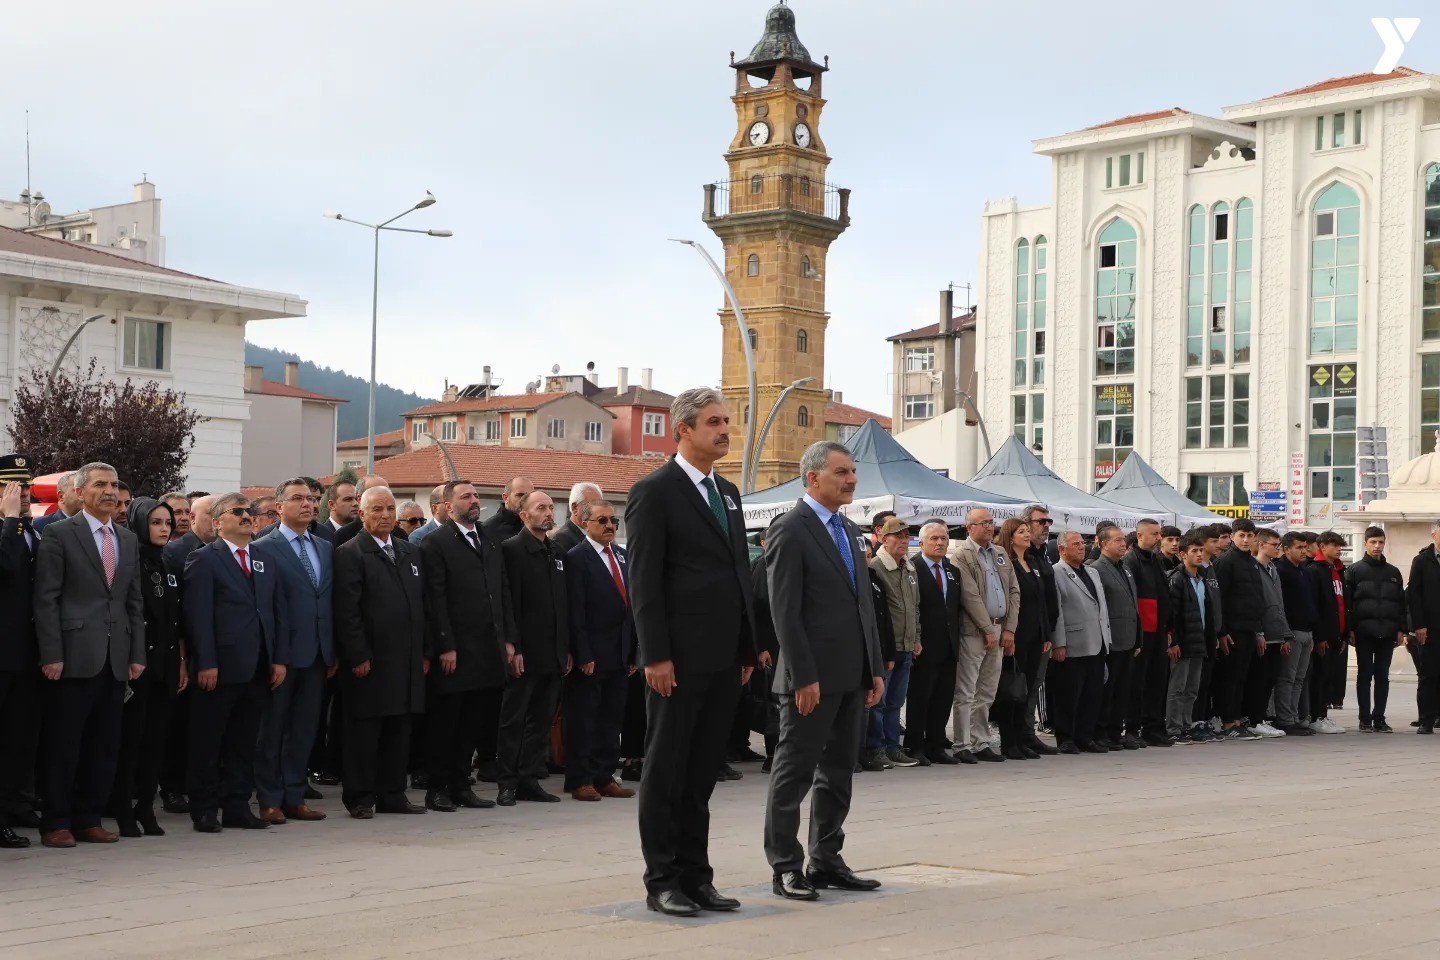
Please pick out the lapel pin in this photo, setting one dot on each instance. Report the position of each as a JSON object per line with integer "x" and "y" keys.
{"x": 414, "y": 570}
{"x": 257, "y": 566}
{"x": 730, "y": 504}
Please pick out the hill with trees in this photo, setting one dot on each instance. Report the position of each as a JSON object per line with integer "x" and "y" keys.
{"x": 390, "y": 403}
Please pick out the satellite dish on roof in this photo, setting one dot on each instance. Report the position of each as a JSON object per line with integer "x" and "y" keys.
{"x": 590, "y": 367}
{"x": 555, "y": 368}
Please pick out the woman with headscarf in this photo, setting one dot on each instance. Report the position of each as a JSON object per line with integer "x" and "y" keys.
{"x": 150, "y": 699}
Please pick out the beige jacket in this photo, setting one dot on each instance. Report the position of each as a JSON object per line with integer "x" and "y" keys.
{"x": 902, "y": 598}
{"x": 975, "y": 617}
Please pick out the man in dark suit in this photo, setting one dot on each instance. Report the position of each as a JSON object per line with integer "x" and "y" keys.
{"x": 830, "y": 672}
{"x": 572, "y": 533}
{"x": 292, "y": 711}
{"x": 690, "y": 593}
{"x": 602, "y": 645}
{"x": 380, "y": 637}
{"x": 237, "y": 627}
{"x": 357, "y": 523}
{"x": 505, "y": 522}
{"x": 535, "y": 572}
{"x": 70, "y": 504}
{"x": 18, "y": 654}
{"x": 90, "y": 624}
{"x": 343, "y": 503}
{"x": 932, "y": 677}
{"x": 471, "y": 628}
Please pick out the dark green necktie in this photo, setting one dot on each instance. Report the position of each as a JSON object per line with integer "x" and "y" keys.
{"x": 716, "y": 507}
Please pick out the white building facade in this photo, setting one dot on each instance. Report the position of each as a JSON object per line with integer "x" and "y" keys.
{"x": 183, "y": 331}
{"x": 1231, "y": 296}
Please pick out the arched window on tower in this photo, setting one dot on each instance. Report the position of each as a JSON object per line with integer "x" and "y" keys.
{"x": 802, "y": 417}
{"x": 805, "y": 269}
{"x": 757, "y": 184}
{"x": 804, "y": 186}
{"x": 802, "y": 342}
{"x": 752, "y": 265}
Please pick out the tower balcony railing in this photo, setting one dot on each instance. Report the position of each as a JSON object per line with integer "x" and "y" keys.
{"x": 763, "y": 193}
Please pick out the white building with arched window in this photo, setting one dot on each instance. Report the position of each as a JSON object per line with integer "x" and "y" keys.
{"x": 1232, "y": 296}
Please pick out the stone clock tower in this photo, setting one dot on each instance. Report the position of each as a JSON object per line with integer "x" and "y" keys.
{"x": 777, "y": 217}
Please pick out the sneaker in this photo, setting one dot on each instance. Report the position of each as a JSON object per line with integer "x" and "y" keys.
{"x": 1202, "y": 734}
{"x": 1184, "y": 740}
{"x": 900, "y": 758}
{"x": 1241, "y": 732}
{"x": 1217, "y": 725}
{"x": 874, "y": 762}
{"x": 1267, "y": 731}
{"x": 1328, "y": 726}
{"x": 1365, "y": 726}
{"x": 1382, "y": 727}
{"x": 1297, "y": 730}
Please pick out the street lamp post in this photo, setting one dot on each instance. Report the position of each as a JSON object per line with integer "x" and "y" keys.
{"x": 79, "y": 329}
{"x": 428, "y": 200}
{"x": 746, "y": 479}
{"x": 769, "y": 421}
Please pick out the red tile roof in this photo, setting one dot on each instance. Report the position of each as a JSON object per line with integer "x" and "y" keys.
{"x": 966, "y": 321}
{"x": 518, "y": 401}
{"x": 255, "y": 493}
{"x": 270, "y": 388}
{"x": 387, "y": 439}
{"x": 1142, "y": 118}
{"x": 496, "y": 466}
{"x": 1354, "y": 80}
{"x": 846, "y": 415}
{"x": 633, "y": 397}
{"x": 34, "y": 245}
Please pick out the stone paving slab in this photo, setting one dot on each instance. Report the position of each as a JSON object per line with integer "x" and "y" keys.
{"x": 1316, "y": 848}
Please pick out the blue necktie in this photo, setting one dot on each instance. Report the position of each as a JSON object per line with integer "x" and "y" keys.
{"x": 305, "y": 561}
{"x": 842, "y": 543}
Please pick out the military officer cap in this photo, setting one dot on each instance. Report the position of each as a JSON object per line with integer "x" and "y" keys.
{"x": 15, "y": 468}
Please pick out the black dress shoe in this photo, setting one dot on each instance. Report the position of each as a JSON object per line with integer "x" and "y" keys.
{"x": 362, "y": 812}
{"x": 127, "y": 826}
{"x": 327, "y": 779}
{"x": 965, "y": 756}
{"x": 1154, "y": 739}
{"x": 532, "y": 791}
{"x": 728, "y": 772}
{"x": 630, "y": 770}
{"x": 1068, "y": 747}
{"x": 744, "y": 755}
{"x": 792, "y": 885}
{"x": 708, "y": 898}
{"x": 841, "y": 878}
{"x": 440, "y": 802}
{"x": 506, "y": 797}
{"x": 940, "y": 758}
{"x": 1093, "y": 746}
{"x": 1034, "y": 743}
{"x": 672, "y": 903}
{"x": 764, "y": 767}
{"x": 399, "y": 806}
{"x": 312, "y": 794}
{"x": 467, "y": 798}
{"x": 174, "y": 803}
{"x": 244, "y": 820}
{"x": 920, "y": 759}
{"x": 10, "y": 840}
{"x": 207, "y": 823}
{"x": 145, "y": 816}
{"x": 989, "y": 756}
{"x": 1027, "y": 753}
{"x": 1012, "y": 751}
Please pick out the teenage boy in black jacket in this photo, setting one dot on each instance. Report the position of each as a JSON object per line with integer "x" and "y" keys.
{"x": 1241, "y": 636}
{"x": 1194, "y": 614}
{"x": 1379, "y": 620}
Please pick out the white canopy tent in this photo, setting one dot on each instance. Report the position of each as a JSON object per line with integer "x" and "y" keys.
{"x": 1138, "y": 486}
{"x": 1017, "y": 473}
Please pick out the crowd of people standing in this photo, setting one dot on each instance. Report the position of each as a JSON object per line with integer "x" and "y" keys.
{"x": 206, "y": 650}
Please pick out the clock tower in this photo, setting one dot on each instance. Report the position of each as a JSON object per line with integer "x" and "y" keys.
{"x": 777, "y": 217}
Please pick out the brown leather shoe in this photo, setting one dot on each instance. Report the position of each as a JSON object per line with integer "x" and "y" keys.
{"x": 615, "y": 791}
{"x": 586, "y": 792}
{"x": 303, "y": 812}
{"x": 57, "y": 838}
{"x": 272, "y": 815}
{"x": 96, "y": 835}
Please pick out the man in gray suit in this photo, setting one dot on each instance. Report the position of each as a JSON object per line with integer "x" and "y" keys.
{"x": 1081, "y": 642}
{"x": 990, "y": 604}
{"x": 1123, "y": 604}
{"x": 829, "y": 673}
{"x": 90, "y": 621}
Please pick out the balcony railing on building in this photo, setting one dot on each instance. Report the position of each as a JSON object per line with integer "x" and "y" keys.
{"x": 764, "y": 193}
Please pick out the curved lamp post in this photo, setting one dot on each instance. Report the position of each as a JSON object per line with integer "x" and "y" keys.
{"x": 769, "y": 421}
{"x": 426, "y": 201}
{"x": 454, "y": 474}
{"x": 79, "y": 329}
{"x": 746, "y": 480}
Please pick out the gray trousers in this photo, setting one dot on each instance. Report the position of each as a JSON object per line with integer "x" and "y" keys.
{"x": 1294, "y": 674}
{"x": 815, "y": 755}
{"x": 287, "y": 733}
{"x": 1180, "y": 698}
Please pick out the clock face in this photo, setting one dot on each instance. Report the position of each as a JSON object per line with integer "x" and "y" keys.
{"x": 759, "y": 133}
{"x": 802, "y": 135}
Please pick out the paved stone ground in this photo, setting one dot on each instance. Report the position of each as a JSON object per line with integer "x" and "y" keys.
{"x": 1315, "y": 848}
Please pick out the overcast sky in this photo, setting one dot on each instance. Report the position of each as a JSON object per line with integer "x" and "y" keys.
{"x": 567, "y": 140}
